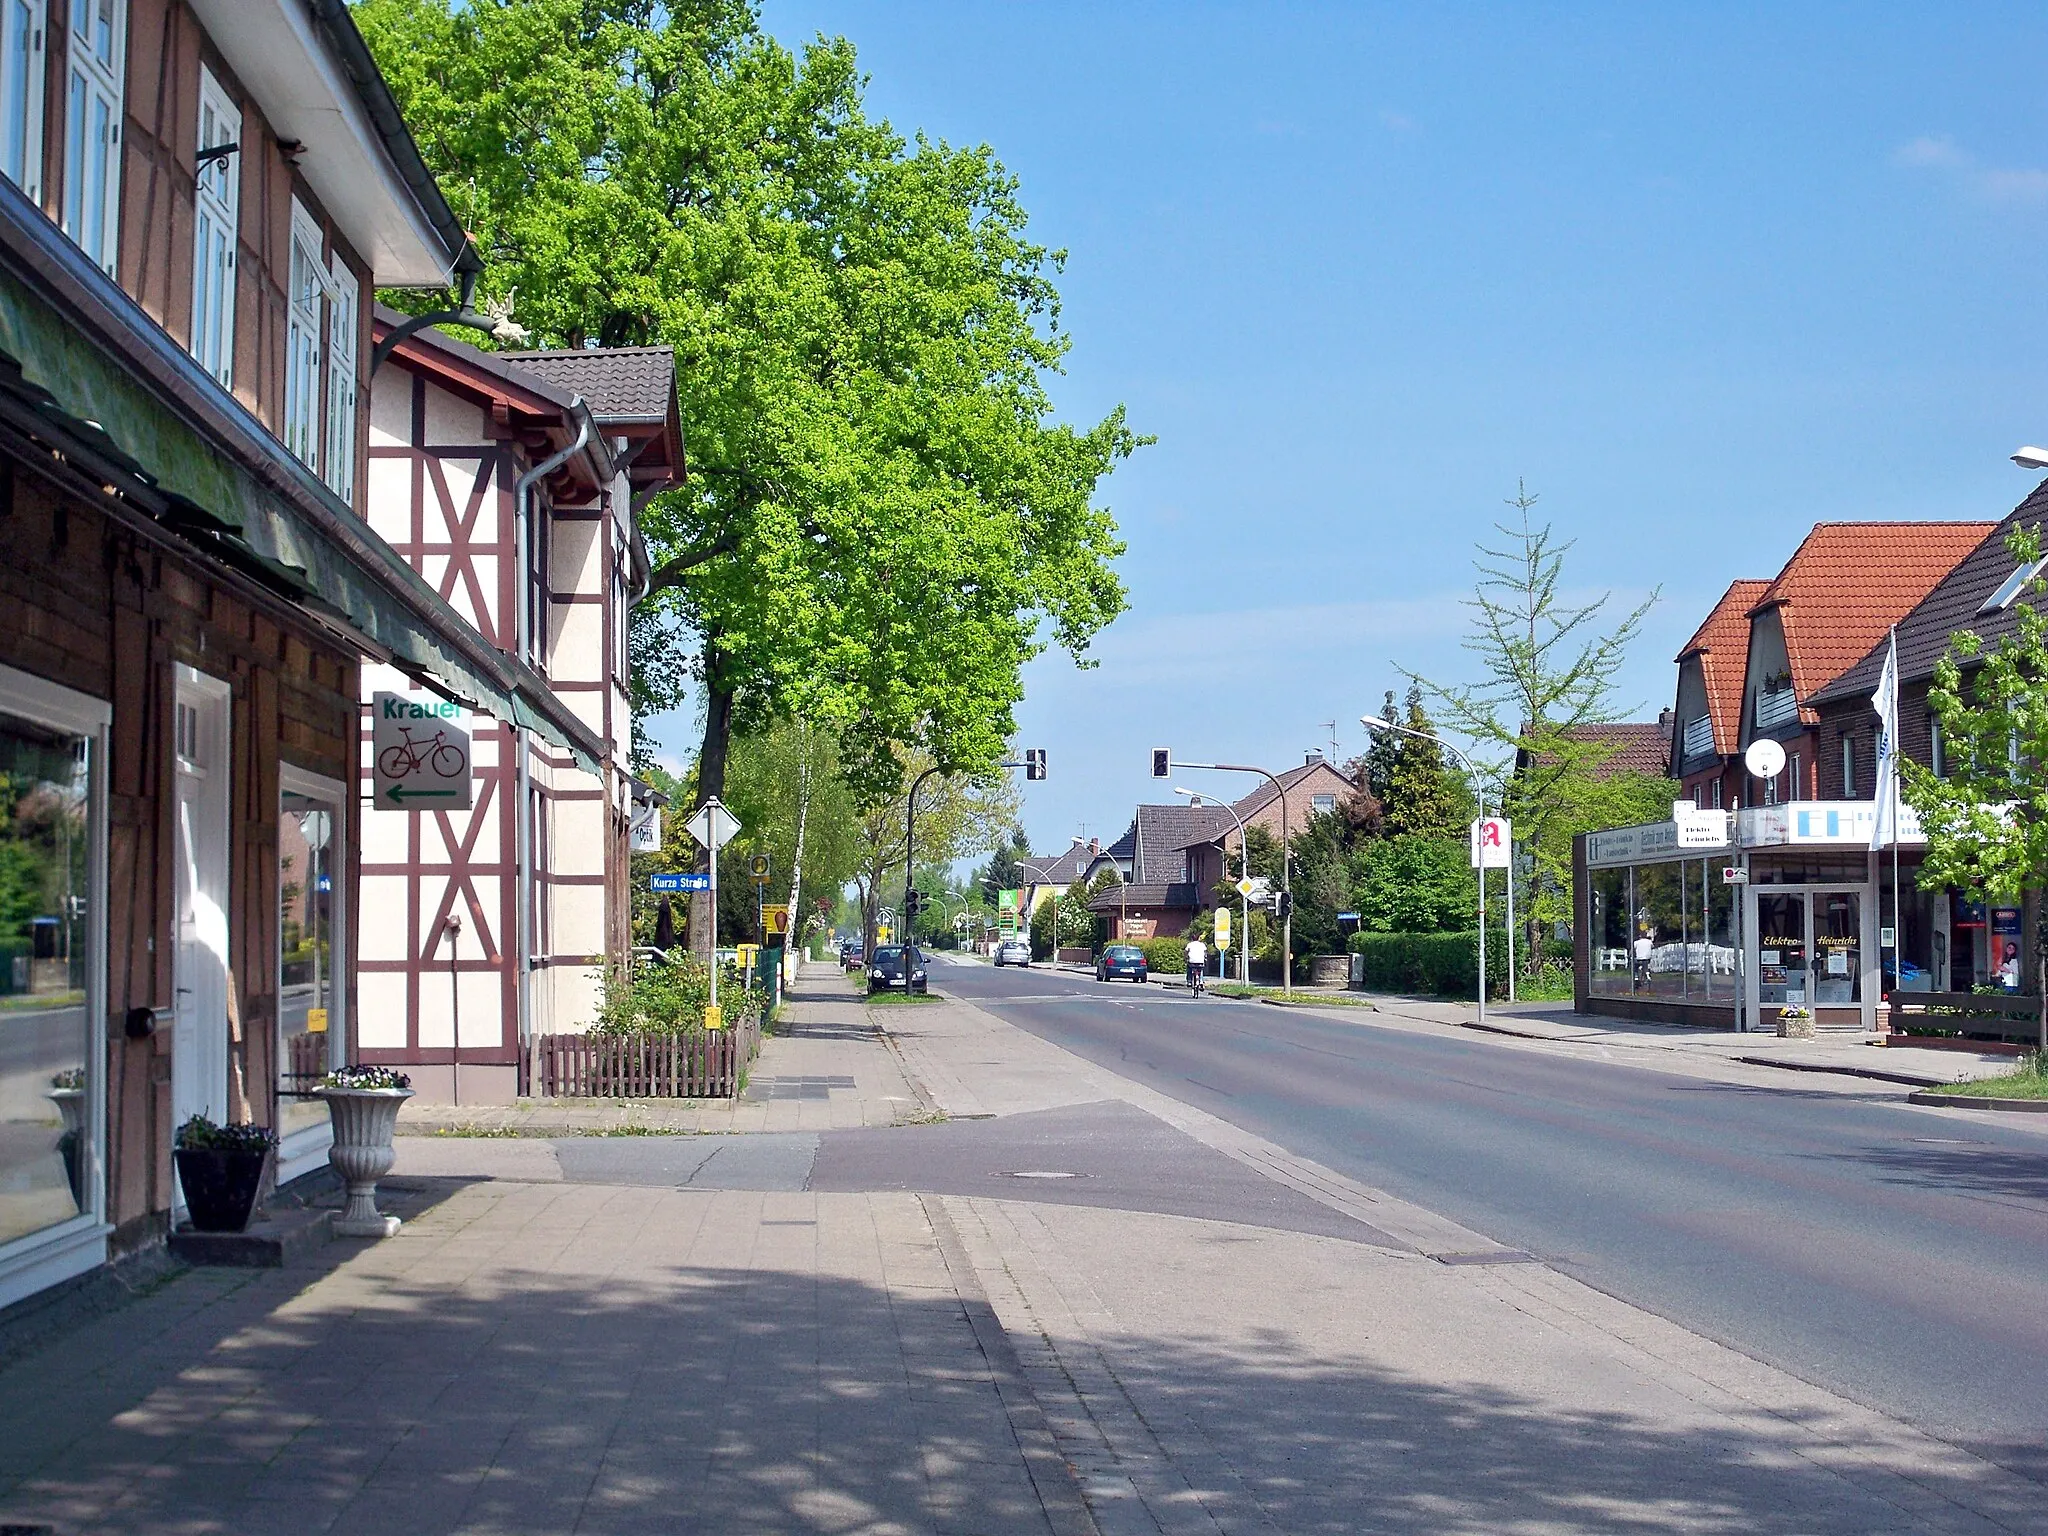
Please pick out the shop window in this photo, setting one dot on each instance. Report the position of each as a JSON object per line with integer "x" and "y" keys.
{"x": 342, "y": 323}
{"x": 21, "y": 94}
{"x": 311, "y": 902}
{"x": 308, "y": 287}
{"x": 1610, "y": 958}
{"x": 1658, "y": 933}
{"x": 214, "y": 227}
{"x": 92, "y": 130}
{"x": 51, "y": 827}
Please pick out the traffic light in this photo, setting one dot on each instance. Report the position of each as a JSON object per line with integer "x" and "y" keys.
{"x": 1034, "y": 763}
{"x": 1162, "y": 762}
{"x": 913, "y": 903}
{"x": 1283, "y": 906}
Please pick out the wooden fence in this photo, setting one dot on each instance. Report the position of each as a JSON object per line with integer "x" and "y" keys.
{"x": 705, "y": 1065}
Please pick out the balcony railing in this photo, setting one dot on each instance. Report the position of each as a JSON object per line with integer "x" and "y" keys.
{"x": 1698, "y": 740}
{"x": 1776, "y": 707}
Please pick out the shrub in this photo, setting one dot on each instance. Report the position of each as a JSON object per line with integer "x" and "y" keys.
{"x": 1431, "y": 964}
{"x": 669, "y": 999}
{"x": 1044, "y": 929}
{"x": 1166, "y": 957}
{"x": 200, "y": 1134}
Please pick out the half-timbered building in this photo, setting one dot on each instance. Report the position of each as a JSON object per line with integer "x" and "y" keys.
{"x": 510, "y": 482}
{"x": 196, "y": 198}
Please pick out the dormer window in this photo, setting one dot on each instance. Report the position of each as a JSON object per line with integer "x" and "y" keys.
{"x": 2014, "y": 585}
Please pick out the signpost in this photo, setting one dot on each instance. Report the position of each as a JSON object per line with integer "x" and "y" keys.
{"x": 1223, "y": 934}
{"x": 713, "y": 826}
{"x": 419, "y": 754}
{"x": 682, "y": 882}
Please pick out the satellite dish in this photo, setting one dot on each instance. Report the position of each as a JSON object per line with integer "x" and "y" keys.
{"x": 1765, "y": 759}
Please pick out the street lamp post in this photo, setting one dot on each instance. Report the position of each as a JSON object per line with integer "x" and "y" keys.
{"x": 1375, "y": 723}
{"x": 1244, "y": 855}
{"x": 1286, "y": 864}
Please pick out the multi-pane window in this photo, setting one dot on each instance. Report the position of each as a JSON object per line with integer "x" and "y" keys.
{"x": 21, "y": 94}
{"x": 341, "y": 380}
{"x": 302, "y": 348}
{"x": 92, "y": 127}
{"x": 214, "y": 227}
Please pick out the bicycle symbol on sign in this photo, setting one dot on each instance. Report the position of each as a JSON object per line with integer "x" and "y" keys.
{"x": 436, "y": 754}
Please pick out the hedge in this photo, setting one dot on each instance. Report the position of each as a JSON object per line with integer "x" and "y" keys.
{"x": 1431, "y": 964}
{"x": 1166, "y": 957}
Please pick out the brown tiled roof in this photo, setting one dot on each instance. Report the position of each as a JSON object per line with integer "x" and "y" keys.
{"x": 619, "y": 384}
{"x": 1952, "y": 606}
{"x": 1164, "y": 830}
{"x": 1181, "y": 895}
{"x": 1848, "y": 583}
{"x": 1641, "y": 746}
{"x": 1722, "y": 646}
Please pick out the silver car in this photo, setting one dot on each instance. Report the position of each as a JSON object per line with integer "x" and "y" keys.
{"x": 1013, "y": 952}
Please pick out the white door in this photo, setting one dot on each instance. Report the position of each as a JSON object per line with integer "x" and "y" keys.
{"x": 199, "y": 1041}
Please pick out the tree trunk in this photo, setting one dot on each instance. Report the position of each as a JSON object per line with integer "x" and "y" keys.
{"x": 794, "y": 927}
{"x": 718, "y": 702}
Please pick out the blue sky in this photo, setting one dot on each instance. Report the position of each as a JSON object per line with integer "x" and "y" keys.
{"x": 1702, "y": 276}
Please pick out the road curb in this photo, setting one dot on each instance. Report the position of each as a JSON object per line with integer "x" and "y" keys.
{"x": 1904, "y": 1079}
{"x": 1968, "y": 1101}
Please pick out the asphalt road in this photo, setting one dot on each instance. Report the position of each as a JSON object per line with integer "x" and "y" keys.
{"x": 1895, "y": 1255}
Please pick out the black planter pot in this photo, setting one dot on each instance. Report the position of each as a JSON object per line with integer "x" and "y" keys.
{"x": 220, "y": 1187}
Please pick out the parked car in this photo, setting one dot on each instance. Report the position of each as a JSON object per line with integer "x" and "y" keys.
{"x": 1120, "y": 961}
{"x": 1013, "y": 952}
{"x": 896, "y": 965}
{"x": 851, "y": 954}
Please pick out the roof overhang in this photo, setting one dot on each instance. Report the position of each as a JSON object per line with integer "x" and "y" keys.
{"x": 307, "y": 72}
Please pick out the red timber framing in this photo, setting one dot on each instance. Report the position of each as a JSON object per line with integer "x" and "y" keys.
{"x": 536, "y": 870}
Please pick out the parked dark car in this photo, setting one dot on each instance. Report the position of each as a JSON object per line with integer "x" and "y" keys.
{"x": 852, "y": 954}
{"x": 896, "y": 966}
{"x": 1120, "y": 962}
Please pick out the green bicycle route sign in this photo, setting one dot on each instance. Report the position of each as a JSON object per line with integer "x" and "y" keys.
{"x": 419, "y": 754}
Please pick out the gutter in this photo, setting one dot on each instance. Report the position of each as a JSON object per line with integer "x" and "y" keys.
{"x": 339, "y": 28}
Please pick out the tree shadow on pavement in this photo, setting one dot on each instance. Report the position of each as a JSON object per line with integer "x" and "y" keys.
{"x": 475, "y": 1388}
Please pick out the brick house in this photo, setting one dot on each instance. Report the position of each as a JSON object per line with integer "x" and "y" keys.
{"x": 1948, "y": 941}
{"x": 195, "y": 202}
{"x": 1706, "y": 732}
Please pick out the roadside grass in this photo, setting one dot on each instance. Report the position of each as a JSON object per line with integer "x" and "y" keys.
{"x": 2027, "y": 1081}
{"x": 901, "y": 999}
{"x": 1296, "y": 999}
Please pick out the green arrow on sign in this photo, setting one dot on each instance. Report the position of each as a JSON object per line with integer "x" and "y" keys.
{"x": 398, "y": 793}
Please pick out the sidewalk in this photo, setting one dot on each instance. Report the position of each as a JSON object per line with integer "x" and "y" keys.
{"x": 820, "y": 1071}
{"x": 537, "y": 1354}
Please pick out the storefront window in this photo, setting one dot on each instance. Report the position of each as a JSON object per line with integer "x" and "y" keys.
{"x": 1723, "y": 957}
{"x": 1610, "y": 963}
{"x": 1781, "y": 948}
{"x": 47, "y": 1086}
{"x": 1810, "y": 869}
{"x": 1659, "y": 936}
{"x": 1911, "y": 965}
{"x": 309, "y": 1012}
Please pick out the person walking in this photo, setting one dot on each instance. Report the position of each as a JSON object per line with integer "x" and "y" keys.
{"x": 1198, "y": 965}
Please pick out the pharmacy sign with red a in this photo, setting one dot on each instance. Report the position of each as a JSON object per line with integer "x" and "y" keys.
{"x": 1493, "y": 842}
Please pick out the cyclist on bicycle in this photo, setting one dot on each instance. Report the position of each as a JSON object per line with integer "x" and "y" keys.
{"x": 1198, "y": 964}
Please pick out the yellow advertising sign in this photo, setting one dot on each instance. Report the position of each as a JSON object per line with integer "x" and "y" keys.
{"x": 316, "y": 1021}
{"x": 714, "y": 1017}
{"x": 1223, "y": 928}
{"x": 775, "y": 918}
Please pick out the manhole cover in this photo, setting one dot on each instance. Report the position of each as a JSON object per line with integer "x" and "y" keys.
{"x": 1038, "y": 1173}
{"x": 1490, "y": 1256}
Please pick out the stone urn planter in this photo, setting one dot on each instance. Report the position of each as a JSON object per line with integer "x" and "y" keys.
{"x": 67, "y": 1093}
{"x": 221, "y": 1170}
{"x": 363, "y": 1105}
{"x": 1795, "y": 1023}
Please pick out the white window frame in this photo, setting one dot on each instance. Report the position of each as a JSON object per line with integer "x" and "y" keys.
{"x": 344, "y": 297}
{"x": 41, "y": 1259}
{"x": 94, "y": 84}
{"x": 216, "y": 231}
{"x": 21, "y": 91}
{"x": 303, "y": 339}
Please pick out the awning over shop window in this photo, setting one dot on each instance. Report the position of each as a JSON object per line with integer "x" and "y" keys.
{"x": 58, "y": 377}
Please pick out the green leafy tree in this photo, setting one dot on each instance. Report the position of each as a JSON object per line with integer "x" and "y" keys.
{"x": 958, "y": 816}
{"x": 1425, "y": 796}
{"x": 1044, "y": 929}
{"x": 1986, "y": 818}
{"x": 1415, "y": 884}
{"x": 1321, "y": 884}
{"x": 1548, "y": 667}
{"x": 882, "y": 521}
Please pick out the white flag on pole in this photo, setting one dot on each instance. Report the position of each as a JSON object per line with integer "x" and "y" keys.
{"x": 1886, "y": 702}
